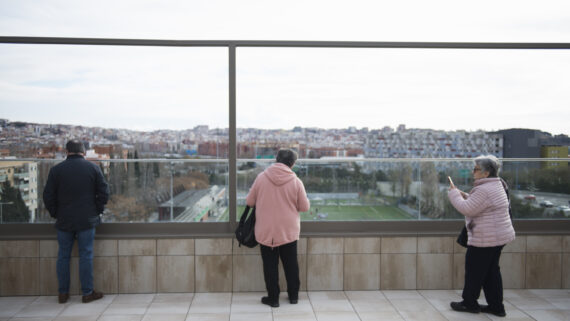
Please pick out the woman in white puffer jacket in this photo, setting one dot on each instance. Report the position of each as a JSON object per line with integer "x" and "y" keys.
{"x": 489, "y": 228}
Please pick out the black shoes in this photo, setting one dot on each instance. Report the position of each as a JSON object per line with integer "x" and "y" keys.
{"x": 63, "y": 297}
{"x": 460, "y": 307}
{"x": 293, "y": 301}
{"x": 486, "y": 309}
{"x": 269, "y": 302}
{"x": 91, "y": 297}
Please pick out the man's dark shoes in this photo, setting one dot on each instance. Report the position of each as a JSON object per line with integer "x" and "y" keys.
{"x": 486, "y": 309}
{"x": 293, "y": 300}
{"x": 92, "y": 297}
{"x": 269, "y": 302}
{"x": 62, "y": 298}
{"x": 460, "y": 307}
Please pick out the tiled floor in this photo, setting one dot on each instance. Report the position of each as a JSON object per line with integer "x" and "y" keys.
{"x": 312, "y": 306}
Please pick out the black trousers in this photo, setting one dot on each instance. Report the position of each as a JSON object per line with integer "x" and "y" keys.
{"x": 288, "y": 255}
{"x": 482, "y": 270}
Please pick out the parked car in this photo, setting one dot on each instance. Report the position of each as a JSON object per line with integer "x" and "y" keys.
{"x": 530, "y": 197}
{"x": 546, "y": 204}
{"x": 563, "y": 208}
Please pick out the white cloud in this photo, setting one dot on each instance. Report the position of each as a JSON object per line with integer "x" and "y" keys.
{"x": 147, "y": 88}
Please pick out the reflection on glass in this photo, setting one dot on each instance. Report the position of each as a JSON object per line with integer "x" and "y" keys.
{"x": 364, "y": 190}
{"x": 141, "y": 191}
{"x": 375, "y": 190}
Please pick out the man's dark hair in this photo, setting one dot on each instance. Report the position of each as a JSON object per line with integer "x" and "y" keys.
{"x": 287, "y": 157}
{"x": 75, "y": 146}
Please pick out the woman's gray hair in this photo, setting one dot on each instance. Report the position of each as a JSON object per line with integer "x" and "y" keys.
{"x": 489, "y": 163}
{"x": 287, "y": 157}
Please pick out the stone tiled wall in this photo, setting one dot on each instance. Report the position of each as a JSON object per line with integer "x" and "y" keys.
{"x": 219, "y": 265}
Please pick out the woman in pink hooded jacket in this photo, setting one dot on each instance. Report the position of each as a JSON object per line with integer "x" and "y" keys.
{"x": 278, "y": 196}
{"x": 489, "y": 228}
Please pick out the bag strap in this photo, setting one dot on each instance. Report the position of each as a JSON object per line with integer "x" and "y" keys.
{"x": 244, "y": 215}
{"x": 506, "y": 187}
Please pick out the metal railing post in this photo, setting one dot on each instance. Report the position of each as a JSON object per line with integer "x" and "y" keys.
{"x": 232, "y": 132}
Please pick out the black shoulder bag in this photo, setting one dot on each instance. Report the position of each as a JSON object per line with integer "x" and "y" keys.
{"x": 245, "y": 232}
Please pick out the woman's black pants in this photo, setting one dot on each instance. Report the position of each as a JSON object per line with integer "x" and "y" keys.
{"x": 270, "y": 257}
{"x": 482, "y": 271}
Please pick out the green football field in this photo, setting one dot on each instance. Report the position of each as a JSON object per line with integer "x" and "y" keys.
{"x": 348, "y": 213}
{"x": 355, "y": 213}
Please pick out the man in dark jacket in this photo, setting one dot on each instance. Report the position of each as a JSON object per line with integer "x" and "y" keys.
{"x": 75, "y": 194}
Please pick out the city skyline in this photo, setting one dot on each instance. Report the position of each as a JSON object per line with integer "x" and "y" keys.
{"x": 151, "y": 88}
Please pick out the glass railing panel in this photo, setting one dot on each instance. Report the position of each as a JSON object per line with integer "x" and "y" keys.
{"x": 378, "y": 190}
{"x": 154, "y": 191}
{"x": 146, "y": 191}
{"x": 539, "y": 189}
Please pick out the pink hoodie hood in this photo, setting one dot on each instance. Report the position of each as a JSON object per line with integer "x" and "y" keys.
{"x": 278, "y": 196}
{"x": 279, "y": 174}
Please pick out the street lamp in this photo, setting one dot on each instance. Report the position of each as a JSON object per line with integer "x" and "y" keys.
{"x": 3, "y": 203}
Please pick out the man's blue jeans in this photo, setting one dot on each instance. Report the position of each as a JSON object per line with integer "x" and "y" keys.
{"x": 85, "y": 246}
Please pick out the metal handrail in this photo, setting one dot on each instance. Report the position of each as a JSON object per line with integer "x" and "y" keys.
{"x": 282, "y": 43}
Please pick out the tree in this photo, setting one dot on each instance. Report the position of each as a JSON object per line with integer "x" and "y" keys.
{"x": 17, "y": 211}
{"x": 430, "y": 203}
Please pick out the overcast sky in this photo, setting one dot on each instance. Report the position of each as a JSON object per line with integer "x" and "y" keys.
{"x": 177, "y": 88}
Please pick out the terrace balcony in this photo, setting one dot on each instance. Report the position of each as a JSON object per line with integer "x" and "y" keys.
{"x": 379, "y": 245}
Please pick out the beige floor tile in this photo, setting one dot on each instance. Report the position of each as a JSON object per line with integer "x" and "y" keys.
{"x": 81, "y": 309}
{"x": 134, "y": 298}
{"x": 218, "y": 303}
{"x": 173, "y": 298}
{"x": 302, "y": 307}
{"x": 550, "y": 293}
{"x": 327, "y": 295}
{"x": 298, "y": 316}
{"x": 246, "y": 296}
{"x": 440, "y": 294}
{"x": 507, "y": 294}
{"x": 441, "y": 304}
{"x": 364, "y": 295}
{"x": 560, "y": 303}
{"x": 332, "y": 306}
{"x": 550, "y": 315}
{"x": 164, "y": 308}
{"x": 248, "y": 303}
{"x": 460, "y": 316}
{"x": 18, "y": 299}
{"x": 106, "y": 299}
{"x": 336, "y": 316}
{"x": 40, "y": 310}
{"x": 50, "y": 299}
{"x": 9, "y": 306}
{"x": 526, "y": 304}
{"x": 422, "y": 316}
{"x": 380, "y": 316}
{"x": 126, "y": 308}
{"x": 412, "y": 305}
{"x": 383, "y": 305}
{"x": 404, "y": 294}
{"x": 512, "y": 315}
{"x": 208, "y": 317}
{"x": 268, "y": 316}
{"x": 120, "y": 318}
{"x": 33, "y": 319}
{"x": 77, "y": 318}
{"x": 164, "y": 317}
